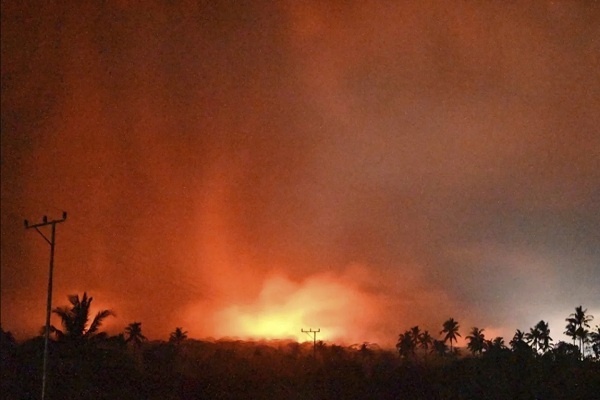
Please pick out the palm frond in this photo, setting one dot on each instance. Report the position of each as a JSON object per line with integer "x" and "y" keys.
{"x": 73, "y": 299}
{"x": 62, "y": 312}
{"x": 59, "y": 334}
{"x": 97, "y": 321}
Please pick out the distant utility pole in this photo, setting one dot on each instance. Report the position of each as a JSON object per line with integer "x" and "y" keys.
{"x": 308, "y": 332}
{"x": 51, "y": 242}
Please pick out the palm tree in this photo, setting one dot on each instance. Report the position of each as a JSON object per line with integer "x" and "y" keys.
{"x": 415, "y": 332}
{"x": 178, "y": 336}
{"x": 533, "y": 337}
{"x": 75, "y": 318}
{"x": 451, "y": 331}
{"x": 571, "y": 329}
{"x": 595, "y": 340}
{"x": 496, "y": 344}
{"x": 425, "y": 340}
{"x": 580, "y": 321}
{"x": 519, "y": 337}
{"x": 543, "y": 337}
{"x": 439, "y": 347}
{"x": 518, "y": 343}
{"x": 134, "y": 334}
{"x": 476, "y": 340}
{"x": 405, "y": 344}
{"x": 539, "y": 336}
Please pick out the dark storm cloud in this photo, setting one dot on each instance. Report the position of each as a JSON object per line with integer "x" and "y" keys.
{"x": 450, "y": 150}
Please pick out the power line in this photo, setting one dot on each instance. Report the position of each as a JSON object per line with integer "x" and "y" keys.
{"x": 51, "y": 242}
{"x": 314, "y": 332}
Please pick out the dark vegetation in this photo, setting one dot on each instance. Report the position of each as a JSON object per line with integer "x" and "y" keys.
{"x": 85, "y": 363}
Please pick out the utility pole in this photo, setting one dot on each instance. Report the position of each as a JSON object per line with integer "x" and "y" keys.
{"x": 51, "y": 242}
{"x": 314, "y": 332}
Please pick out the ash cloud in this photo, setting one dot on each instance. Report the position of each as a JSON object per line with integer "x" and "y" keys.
{"x": 451, "y": 151}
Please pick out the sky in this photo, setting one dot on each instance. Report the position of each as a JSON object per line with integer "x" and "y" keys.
{"x": 254, "y": 168}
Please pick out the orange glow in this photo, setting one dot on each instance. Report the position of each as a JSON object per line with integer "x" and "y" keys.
{"x": 338, "y": 308}
{"x": 224, "y": 167}
{"x": 271, "y": 324}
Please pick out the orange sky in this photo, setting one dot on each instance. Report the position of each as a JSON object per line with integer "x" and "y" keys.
{"x": 239, "y": 168}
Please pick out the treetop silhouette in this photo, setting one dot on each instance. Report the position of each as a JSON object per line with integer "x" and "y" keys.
{"x": 75, "y": 318}
{"x": 450, "y": 328}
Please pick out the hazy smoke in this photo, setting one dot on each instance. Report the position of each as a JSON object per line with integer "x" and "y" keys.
{"x": 361, "y": 168}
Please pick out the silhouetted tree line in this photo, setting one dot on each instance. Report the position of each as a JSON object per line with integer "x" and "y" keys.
{"x": 86, "y": 363}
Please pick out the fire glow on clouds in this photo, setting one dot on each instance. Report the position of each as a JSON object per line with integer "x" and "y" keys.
{"x": 249, "y": 169}
{"x": 339, "y": 310}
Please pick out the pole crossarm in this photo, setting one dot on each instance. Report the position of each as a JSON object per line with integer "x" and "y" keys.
{"x": 309, "y": 331}
{"x": 52, "y": 243}
{"x": 46, "y": 222}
